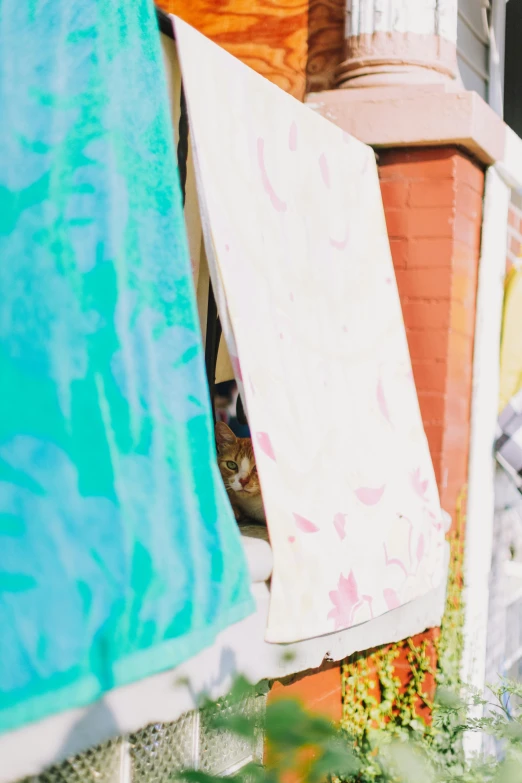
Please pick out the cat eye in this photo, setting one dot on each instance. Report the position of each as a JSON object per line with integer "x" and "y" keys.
{"x": 231, "y": 465}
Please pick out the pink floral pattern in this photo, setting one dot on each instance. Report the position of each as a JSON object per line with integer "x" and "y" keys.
{"x": 381, "y": 400}
{"x": 325, "y": 171}
{"x": 292, "y": 137}
{"x": 236, "y": 366}
{"x": 304, "y": 525}
{"x": 391, "y": 598}
{"x": 420, "y": 548}
{"x": 419, "y": 485}
{"x": 370, "y": 496}
{"x": 340, "y": 525}
{"x": 278, "y": 204}
{"x": 339, "y": 244}
{"x": 345, "y": 600}
{"x": 265, "y": 444}
{"x": 394, "y": 561}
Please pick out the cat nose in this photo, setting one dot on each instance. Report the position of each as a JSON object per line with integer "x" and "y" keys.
{"x": 243, "y": 482}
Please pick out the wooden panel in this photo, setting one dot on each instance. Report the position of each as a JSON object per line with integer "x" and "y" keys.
{"x": 325, "y": 43}
{"x": 268, "y": 35}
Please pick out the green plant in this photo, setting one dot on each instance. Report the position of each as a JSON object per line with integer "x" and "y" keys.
{"x": 298, "y": 743}
{"x": 376, "y": 700}
{"x": 310, "y": 749}
{"x": 394, "y": 731}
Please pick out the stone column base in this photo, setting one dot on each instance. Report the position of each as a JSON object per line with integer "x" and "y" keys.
{"x": 392, "y": 58}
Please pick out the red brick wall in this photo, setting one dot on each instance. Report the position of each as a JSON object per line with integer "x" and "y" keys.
{"x": 433, "y": 205}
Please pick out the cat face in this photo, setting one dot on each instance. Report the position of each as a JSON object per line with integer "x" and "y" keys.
{"x": 237, "y": 463}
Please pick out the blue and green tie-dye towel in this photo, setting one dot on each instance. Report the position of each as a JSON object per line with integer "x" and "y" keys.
{"x": 119, "y": 555}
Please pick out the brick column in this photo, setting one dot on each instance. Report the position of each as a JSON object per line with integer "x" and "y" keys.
{"x": 433, "y": 205}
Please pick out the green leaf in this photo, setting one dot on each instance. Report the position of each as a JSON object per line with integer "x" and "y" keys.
{"x": 508, "y": 771}
{"x": 253, "y": 773}
{"x": 262, "y": 687}
{"x": 196, "y": 776}
{"x": 240, "y": 725}
{"x": 448, "y": 699}
{"x": 241, "y": 690}
{"x": 338, "y": 759}
{"x": 288, "y": 726}
{"x": 513, "y": 731}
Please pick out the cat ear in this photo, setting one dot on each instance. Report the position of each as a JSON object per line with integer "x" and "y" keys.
{"x": 224, "y": 435}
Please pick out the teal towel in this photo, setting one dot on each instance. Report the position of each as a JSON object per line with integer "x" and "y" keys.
{"x": 119, "y": 554}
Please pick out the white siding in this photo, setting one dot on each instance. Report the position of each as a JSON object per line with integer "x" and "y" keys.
{"x": 473, "y": 47}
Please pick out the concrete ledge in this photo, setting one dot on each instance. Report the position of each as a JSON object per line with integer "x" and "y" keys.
{"x": 164, "y": 697}
{"x": 434, "y": 115}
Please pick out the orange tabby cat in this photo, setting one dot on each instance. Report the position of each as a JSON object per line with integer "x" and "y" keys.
{"x": 237, "y": 464}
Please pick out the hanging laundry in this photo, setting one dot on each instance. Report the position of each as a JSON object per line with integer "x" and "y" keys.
{"x": 508, "y": 445}
{"x": 301, "y": 267}
{"x": 119, "y": 554}
{"x": 511, "y": 341}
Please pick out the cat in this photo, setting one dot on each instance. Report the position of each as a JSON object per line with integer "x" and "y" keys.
{"x": 237, "y": 464}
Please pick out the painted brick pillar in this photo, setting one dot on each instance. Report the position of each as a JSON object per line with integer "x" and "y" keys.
{"x": 433, "y": 204}
{"x": 318, "y": 690}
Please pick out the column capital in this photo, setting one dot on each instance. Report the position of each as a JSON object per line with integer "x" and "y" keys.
{"x": 397, "y": 42}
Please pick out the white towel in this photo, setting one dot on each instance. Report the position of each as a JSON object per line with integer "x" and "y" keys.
{"x": 300, "y": 263}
